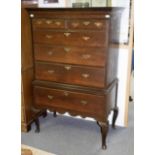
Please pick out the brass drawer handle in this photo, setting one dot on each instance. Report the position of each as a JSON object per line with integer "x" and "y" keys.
{"x": 50, "y": 52}
{"x": 84, "y": 102}
{"x": 107, "y": 16}
{"x": 66, "y": 93}
{"x": 50, "y": 71}
{"x": 86, "y": 56}
{"x": 39, "y": 22}
{"x": 48, "y": 36}
{"x": 67, "y": 34}
{"x": 48, "y": 21}
{"x": 98, "y": 24}
{"x": 67, "y": 49}
{"x": 50, "y": 97}
{"x": 75, "y": 24}
{"x": 86, "y": 23}
{"x": 68, "y": 67}
{"x": 85, "y": 75}
{"x": 85, "y": 38}
{"x": 58, "y": 23}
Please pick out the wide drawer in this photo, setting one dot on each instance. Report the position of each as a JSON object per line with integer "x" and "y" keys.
{"x": 79, "y": 102}
{"x": 48, "y": 23}
{"x": 82, "y": 38}
{"x": 72, "y": 74}
{"x": 70, "y": 54}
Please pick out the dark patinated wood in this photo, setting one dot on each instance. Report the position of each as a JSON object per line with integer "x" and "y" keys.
{"x": 27, "y": 74}
{"x": 55, "y": 114}
{"x": 37, "y": 125}
{"x": 44, "y": 114}
{"x": 75, "y": 67}
{"x": 115, "y": 114}
{"x": 79, "y": 102}
{"x": 70, "y": 54}
{"x": 66, "y": 73}
{"x": 104, "y": 131}
{"x": 48, "y": 23}
{"x": 89, "y": 24}
{"x": 116, "y": 109}
{"x": 74, "y": 38}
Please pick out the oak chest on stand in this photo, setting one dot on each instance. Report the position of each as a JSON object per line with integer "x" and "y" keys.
{"x": 75, "y": 66}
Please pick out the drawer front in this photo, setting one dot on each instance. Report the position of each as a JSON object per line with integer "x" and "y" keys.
{"x": 92, "y": 39}
{"x": 70, "y": 54}
{"x": 48, "y": 23}
{"x": 80, "y": 102}
{"x": 86, "y": 76}
{"x": 87, "y": 24}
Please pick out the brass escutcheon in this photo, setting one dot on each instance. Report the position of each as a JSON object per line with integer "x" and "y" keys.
{"x": 86, "y": 23}
{"x": 67, "y": 34}
{"x": 66, "y": 49}
{"x": 50, "y": 97}
{"x": 68, "y": 67}
{"x": 84, "y": 102}
{"x": 85, "y": 75}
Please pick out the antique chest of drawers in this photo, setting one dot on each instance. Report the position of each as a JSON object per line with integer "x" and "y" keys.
{"x": 75, "y": 66}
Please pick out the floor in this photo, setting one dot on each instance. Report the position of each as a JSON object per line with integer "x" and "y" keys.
{"x": 69, "y": 136}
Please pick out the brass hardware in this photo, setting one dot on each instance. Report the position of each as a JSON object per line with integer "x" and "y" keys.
{"x": 39, "y": 22}
{"x": 48, "y": 21}
{"x": 68, "y": 67}
{"x": 67, "y": 34}
{"x": 85, "y": 38}
{"x": 50, "y": 71}
{"x": 86, "y": 23}
{"x": 50, "y": 97}
{"x": 75, "y": 24}
{"x": 32, "y": 15}
{"x": 86, "y": 56}
{"x": 66, "y": 93}
{"x": 85, "y": 75}
{"x": 66, "y": 49}
{"x": 48, "y": 36}
{"x": 107, "y": 16}
{"x": 84, "y": 102}
{"x": 58, "y": 23}
{"x": 98, "y": 24}
{"x": 50, "y": 52}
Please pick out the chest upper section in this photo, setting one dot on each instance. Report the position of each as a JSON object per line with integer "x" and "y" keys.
{"x": 70, "y": 19}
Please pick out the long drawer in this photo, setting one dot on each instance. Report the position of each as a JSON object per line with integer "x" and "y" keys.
{"x": 80, "y": 102}
{"x": 81, "y": 38}
{"x": 72, "y": 74}
{"x": 70, "y": 54}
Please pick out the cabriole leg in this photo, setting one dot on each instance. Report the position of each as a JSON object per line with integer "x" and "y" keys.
{"x": 37, "y": 125}
{"x": 115, "y": 114}
{"x": 104, "y": 131}
{"x": 115, "y": 110}
{"x": 55, "y": 114}
{"x": 44, "y": 114}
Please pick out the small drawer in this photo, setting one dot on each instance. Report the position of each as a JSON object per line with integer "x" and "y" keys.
{"x": 88, "y": 24}
{"x": 70, "y": 54}
{"x": 69, "y": 100}
{"x": 89, "y": 39}
{"x": 48, "y": 23}
{"x": 71, "y": 74}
